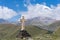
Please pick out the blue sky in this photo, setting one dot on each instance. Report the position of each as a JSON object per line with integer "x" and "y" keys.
{"x": 18, "y": 5}
{"x": 12, "y": 3}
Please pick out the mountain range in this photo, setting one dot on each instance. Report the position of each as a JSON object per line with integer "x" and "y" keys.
{"x": 34, "y": 21}
{"x": 41, "y": 22}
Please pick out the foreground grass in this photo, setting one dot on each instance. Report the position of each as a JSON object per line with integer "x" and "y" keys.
{"x": 9, "y": 32}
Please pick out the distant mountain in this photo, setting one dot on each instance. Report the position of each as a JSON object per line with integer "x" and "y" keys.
{"x": 40, "y": 21}
{"x": 54, "y": 26}
{"x": 3, "y": 21}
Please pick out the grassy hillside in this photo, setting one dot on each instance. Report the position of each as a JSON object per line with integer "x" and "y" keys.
{"x": 57, "y": 34}
{"x": 9, "y": 32}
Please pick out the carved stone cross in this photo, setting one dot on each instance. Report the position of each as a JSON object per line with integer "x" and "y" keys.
{"x": 22, "y": 23}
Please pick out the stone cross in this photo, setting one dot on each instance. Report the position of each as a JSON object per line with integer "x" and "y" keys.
{"x": 22, "y": 23}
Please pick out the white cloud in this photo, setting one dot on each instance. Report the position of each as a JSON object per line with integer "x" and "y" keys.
{"x": 42, "y": 10}
{"x": 37, "y": 10}
{"x": 56, "y": 12}
{"x": 6, "y": 13}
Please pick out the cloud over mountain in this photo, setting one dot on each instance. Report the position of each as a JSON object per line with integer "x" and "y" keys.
{"x": 43, "y": 11}
{"x": 6, "y": 13}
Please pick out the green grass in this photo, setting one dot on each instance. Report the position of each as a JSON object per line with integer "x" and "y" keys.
{"x": 9, "y": 32}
